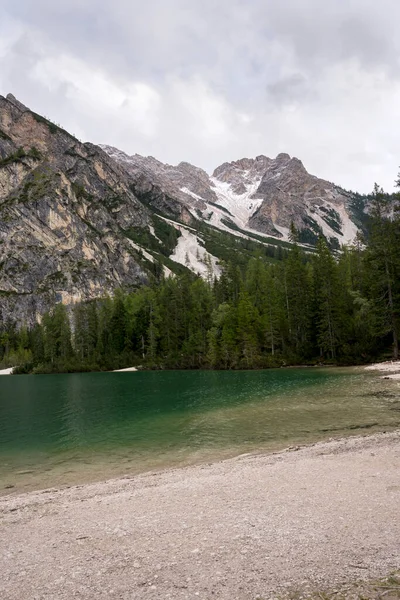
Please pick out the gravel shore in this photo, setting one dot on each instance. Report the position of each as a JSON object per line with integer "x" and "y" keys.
{"x": 391, "y": 369}
{"x": 240, "y": 529}
{"x": 390, "y": 366}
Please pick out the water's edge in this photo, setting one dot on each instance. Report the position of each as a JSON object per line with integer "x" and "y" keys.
{"x": 64, "y": 430}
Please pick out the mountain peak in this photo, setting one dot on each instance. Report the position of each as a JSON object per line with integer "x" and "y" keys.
{"x": 297, "y": 164}
{"x": 11, "y": 98}
{"x": 285, "y": 160}
{"x": 283, "y": 157}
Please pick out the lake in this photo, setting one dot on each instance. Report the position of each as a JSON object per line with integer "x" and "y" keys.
{"x": 58, "y": 430}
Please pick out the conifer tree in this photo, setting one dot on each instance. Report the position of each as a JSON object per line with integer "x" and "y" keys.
{"x": 248, "y": 327}
{"x": 57, "y": 335}
{"x": 327, "y": 300}
{"x": 297, "y": 287}
{"x": 384, "y": 263}
{"x": 271, "y": 312}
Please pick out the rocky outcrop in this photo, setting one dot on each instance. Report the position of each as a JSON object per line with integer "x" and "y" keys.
{"x": 170, "y": 190}
{"x": 290, "y": 194}
{"x": 241, "y": 173}
{"x": 286, "y": 193}
{"x": 64, "y": 208}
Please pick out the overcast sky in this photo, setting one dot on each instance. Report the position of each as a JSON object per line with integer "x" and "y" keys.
{"x": 208, "y": 81}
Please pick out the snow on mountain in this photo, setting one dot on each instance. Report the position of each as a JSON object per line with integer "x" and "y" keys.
{"x": 241, "y": 206}
{"x": 348, "y": 229}
{"x": 314, "y": 206}
{"x": 188, "y": 192}
{"x": 260, "y": 195}
{"x": 267, "y": 195}
{"x": 283, "y": 232}
{"x": 191, "y": 253}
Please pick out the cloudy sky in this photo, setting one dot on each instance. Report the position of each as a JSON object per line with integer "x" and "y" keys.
{"x": 208, "y": 81}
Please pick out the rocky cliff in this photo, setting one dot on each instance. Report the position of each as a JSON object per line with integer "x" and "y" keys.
{"x": 64, "y": 207}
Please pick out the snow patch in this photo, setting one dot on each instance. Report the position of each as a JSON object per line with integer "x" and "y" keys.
{"x": 241, "y": 206}
{"x": 188, "y": 192}
{"x": 284, "y": 231}
{"x": 190, "y": 253}
{"x": 214, "y": 216}
{"x": 348, "y": 228}
{"x": 142, "y": 250}
{"x": 167, "y": 272}
{"x": 153, "y": 233}
{"x": 215, "y": 220}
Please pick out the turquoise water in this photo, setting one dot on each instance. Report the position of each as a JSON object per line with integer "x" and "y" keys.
{"x": 63, "y": 429}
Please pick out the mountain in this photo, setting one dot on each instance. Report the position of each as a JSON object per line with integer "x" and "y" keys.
{"x": 74, "y": 225}
{"x": 260, "y": 195}
{"x": 63, "y": 205}
{"x": 78, "y": 220}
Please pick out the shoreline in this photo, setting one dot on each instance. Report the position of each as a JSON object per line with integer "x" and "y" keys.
{"x": 96, "y": 472}
{"x": 6, "y": 371}
{"x": 388, "y": 366}
{"x": 321, "y": 516}
{"x": 391, "y": 367}
{"x": 326, "y": 513}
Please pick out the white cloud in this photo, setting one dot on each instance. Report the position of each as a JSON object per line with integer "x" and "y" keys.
{"x": 214, "y": 81}
{"x": 91, "y": 92}
{"x": 208, "y": 114}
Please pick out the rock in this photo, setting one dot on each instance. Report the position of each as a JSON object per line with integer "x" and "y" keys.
{"x": 16, "y": 103}
{"x": 64, "y": 207}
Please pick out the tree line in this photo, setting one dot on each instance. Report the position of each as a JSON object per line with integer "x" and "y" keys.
{"x": 342, "y": 308}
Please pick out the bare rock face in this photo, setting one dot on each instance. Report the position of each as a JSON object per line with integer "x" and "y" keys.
{"x": 173, "y": 188}
{"x": 262, "y": 195}
{"x": 63, "y": 206}
{"x": 291, "y": 195}
{"x": 242, "y": 173}
{"x": 283, "y": 192}
{"x": 17, "y": 103}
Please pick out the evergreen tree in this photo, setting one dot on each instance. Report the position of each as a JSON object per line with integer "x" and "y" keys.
{"x": 271, "y": 312}
{"x": 118, "y": 326}
{"x": 57, "y": 336}
{"x": 298, "y": 301}
{"x": 384, "y": 265}
{"x": 327, "y": 290}
{"x": 345, "y": 306}
{"x": 248, "y": 321}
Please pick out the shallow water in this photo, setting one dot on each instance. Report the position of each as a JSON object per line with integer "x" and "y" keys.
{"x": 64, "y": 429}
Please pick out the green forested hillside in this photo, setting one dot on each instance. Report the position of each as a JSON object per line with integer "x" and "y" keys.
{"x": 342, "y": 308}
